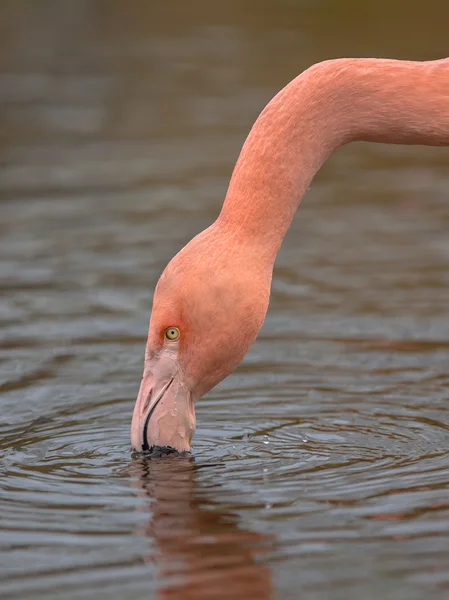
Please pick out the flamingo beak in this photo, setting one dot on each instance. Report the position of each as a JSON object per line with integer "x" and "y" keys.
{"x": 164, "y": 414}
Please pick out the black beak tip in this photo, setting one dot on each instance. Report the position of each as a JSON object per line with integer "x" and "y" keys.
{"x": 160, "y": 452}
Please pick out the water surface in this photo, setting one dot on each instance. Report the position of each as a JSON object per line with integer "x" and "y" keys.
{"x": 321, "y": 467}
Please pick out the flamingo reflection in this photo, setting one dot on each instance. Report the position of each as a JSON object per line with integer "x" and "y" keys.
{"x": 198, "y": 547}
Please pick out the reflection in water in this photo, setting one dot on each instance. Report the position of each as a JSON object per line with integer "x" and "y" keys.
{"x": 199, "y": 549}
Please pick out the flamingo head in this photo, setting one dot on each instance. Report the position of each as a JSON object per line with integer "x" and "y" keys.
{"x": 208, "y": 307}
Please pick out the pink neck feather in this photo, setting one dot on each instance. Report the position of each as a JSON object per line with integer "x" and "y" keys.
{"x": 330, "y": 104}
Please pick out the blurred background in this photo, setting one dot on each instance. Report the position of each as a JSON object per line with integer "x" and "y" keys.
{"x": 321, "y": 467}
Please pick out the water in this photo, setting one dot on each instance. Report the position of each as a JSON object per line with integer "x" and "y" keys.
{"x": 321, "y": 467}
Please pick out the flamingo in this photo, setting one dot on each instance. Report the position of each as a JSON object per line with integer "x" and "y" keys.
{"x": 211, "y": 300}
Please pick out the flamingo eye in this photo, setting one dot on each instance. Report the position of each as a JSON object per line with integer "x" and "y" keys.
{"x": 172, "y": 333}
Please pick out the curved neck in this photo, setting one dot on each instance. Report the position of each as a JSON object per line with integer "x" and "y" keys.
{"x": 330, "y": 104}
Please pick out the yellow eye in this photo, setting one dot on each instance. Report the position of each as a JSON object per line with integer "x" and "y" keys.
{"x": 172, "y": 333}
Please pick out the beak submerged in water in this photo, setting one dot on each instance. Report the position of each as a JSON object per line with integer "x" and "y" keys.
{"x": 164, "y": 414}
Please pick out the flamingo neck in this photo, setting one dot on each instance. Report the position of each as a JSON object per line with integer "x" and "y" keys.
{"x": 330, "y": 104}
